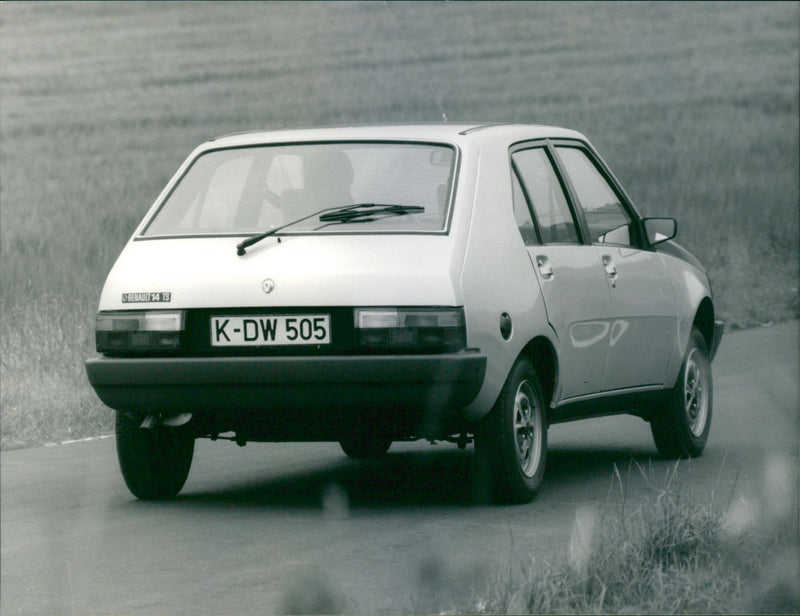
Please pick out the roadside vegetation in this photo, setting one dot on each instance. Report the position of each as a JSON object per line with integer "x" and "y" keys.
{"x": 695, "y": 106}
{"x": 670, "y": 553}
{"x": 652, "y": 547}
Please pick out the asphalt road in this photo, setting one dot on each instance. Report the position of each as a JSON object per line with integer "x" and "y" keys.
{"x": 272, "y": 527}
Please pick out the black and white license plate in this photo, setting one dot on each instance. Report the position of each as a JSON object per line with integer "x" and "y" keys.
{"x": 261, "y": 330}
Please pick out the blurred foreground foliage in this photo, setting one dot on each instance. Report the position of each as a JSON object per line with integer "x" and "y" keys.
{"x": 668, "y": 551}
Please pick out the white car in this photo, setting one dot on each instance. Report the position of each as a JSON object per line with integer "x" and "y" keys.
{"x": 374, "y": 284}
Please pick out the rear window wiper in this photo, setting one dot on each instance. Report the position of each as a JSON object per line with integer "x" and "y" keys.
{"x": 254, "y": 239}
{"x": 358, "y": 212}
{"x": 366, "y": 212}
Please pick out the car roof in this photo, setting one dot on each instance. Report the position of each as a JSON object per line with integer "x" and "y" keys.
{"x": 442, "y": 131}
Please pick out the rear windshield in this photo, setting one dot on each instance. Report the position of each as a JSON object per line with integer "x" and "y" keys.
{"x": 240, "y": 191}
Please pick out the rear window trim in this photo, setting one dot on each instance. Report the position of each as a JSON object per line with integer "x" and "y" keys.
{"x": 139, "y": 236}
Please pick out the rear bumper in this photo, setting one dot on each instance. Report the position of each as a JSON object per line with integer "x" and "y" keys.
{"x": 263, "y": 385}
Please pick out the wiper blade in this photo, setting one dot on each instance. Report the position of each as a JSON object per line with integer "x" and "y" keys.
{"x": 362, "y": 212}
{"x": 254, "y": 239}
{"x": 366, "y": 212}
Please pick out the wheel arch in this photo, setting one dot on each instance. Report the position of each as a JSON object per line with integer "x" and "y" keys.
{"x": 543, "y": 357}
{"x": 704, "y": 321}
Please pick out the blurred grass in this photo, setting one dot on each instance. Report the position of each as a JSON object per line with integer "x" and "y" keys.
{"x": 694, "y": 105}
{"x": 667, "y": 551}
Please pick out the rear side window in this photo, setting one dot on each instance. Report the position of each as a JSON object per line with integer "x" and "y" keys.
{"x": 609, "y": 222}
{"x": 556, "y": 222}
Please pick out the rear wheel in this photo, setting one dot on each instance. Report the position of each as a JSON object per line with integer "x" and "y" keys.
{"x": 154, "y": 462}
{"x": 681, "y": 427}
{"x": 512, "y": 442}
{"x": 362, "y": 447}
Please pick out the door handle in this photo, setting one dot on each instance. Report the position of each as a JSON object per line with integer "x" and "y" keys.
{"x": 611, "y": 270}
{"x": 545, "y": 269}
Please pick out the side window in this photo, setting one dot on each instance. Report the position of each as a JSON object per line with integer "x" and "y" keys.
{"x": 608, "y": 221}
{"x": 522, "y": 213}
{"x": 549, "y": 203}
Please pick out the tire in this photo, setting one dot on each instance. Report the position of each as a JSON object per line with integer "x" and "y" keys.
{"x": 511, "y": 444}
{"x": 362, "y": 447}
{"x": 681, "y": 427}
{"x": 154, "y": 462}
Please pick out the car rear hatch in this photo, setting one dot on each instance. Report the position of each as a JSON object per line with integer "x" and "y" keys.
{"x": 317, "y": 280}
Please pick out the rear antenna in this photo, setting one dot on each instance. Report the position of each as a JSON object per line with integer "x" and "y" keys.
{"x": 416, "y": 57}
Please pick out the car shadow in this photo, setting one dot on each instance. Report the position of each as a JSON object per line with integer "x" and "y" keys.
{"x": 435, "y": 478}
{"x": 417, "y": 479}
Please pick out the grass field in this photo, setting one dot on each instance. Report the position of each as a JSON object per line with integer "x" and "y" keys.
{"x": 695, "y": 107}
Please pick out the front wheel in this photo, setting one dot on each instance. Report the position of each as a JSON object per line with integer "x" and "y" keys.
{"x": 512, "y": 442}
{"x": 680, "y": 429}
{"x": 154, "y": 462}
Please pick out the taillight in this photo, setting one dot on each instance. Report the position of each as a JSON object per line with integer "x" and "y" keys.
{"x": 152, "y": 330}
{"x": 410, "y": 330}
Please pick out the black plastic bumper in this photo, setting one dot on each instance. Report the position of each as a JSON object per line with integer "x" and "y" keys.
{"x": 280, "y": 384}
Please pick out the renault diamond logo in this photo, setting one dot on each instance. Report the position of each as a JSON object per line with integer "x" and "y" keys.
{"x": 268, "y": 285}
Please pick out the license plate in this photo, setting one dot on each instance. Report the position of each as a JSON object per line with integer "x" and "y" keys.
{"x": 269, "y": 330}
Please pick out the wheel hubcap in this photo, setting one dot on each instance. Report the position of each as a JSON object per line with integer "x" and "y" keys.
{"x": 695, "y": 398}
{"x": 527, "y": 429}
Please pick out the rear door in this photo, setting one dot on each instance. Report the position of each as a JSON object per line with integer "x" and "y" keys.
{"x": 643, "y": 305}
{"x": 569, "y": 271}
